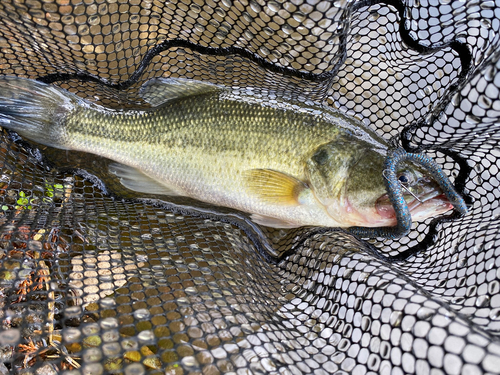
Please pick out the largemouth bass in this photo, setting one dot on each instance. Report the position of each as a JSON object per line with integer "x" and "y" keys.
{"x": 286, "y": 164}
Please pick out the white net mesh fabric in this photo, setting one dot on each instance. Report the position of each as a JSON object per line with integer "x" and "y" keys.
{"x": 134, "y": 286}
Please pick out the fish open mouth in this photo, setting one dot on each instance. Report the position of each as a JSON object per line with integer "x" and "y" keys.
{"x": 431, "y": 204}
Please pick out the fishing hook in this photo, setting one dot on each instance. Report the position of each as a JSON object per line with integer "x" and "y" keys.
{"x": 403, "y": 185}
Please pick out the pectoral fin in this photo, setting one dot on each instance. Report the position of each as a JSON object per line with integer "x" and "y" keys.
{"x": 274, "y": 187}
{"x": 134, "y": 179}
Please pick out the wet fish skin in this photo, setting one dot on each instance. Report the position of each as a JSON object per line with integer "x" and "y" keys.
{"x": 287, "y": 164}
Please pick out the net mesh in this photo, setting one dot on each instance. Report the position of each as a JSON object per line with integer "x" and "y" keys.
{"x": 94, "y": 280}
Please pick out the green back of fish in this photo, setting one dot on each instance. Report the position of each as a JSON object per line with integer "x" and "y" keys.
{"x": 211, "y": 127}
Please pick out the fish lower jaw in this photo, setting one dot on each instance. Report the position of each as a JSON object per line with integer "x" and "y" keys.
{"x": 420, "y": 214}
{"x": 379, "y": 222}
{"x": 350, "y": 216}
{"x": 419, "y": 211}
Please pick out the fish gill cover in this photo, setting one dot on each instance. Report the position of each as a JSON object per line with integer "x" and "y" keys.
{"x": 94, "y": 279}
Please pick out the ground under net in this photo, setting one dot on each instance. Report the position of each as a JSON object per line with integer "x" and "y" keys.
{"x": 95, "y": 280}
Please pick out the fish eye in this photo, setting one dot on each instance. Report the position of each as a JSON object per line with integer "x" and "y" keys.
{"x": 403, "y": 179}
{"x": 406, "y": 178}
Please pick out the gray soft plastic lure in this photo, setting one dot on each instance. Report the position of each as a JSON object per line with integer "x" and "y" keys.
{"x": 395, "y": 193}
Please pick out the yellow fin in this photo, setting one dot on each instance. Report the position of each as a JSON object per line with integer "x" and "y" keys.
{"x": 274, "y": 187}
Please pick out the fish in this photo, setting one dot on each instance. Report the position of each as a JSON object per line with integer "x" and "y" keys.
{"x": 286, "y": 163}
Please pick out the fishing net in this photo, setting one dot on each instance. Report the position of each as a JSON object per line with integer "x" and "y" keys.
{"x": 95, "y": 279}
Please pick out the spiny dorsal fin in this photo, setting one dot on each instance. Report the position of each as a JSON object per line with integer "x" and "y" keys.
{"x": 158, "y": 91}
{"x": 274, "y": 187}
{"x": 135, "y": 180}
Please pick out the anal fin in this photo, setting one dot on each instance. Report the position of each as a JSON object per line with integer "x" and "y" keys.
{"x": 135, "y": 180}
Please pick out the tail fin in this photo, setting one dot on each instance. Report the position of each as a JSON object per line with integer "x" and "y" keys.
{"x": 35, "y": 110}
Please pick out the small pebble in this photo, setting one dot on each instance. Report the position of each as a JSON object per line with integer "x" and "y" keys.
{"x": 48, "y": 369}
{"x": 5, "y": 353}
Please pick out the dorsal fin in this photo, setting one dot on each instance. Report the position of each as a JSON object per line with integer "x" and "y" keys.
{"x": 158, "y": 91}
